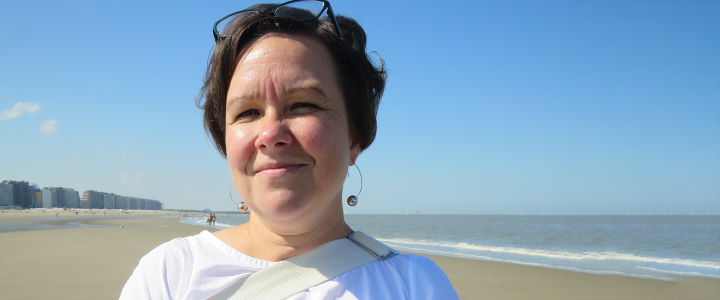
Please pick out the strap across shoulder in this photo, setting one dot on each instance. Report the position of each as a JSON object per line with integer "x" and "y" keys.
{"x": 301, "y": 272}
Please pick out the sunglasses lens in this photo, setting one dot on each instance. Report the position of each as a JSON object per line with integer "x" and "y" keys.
{"x": 226, "y": 24}
{"x": 300, "y": 11}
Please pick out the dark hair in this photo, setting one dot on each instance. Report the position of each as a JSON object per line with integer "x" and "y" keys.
{"x": 361, "y": 83}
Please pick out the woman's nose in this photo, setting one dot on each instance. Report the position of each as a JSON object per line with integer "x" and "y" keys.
{"x": 273, "y": 134}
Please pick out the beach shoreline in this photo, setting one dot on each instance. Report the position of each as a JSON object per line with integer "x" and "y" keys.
{"x": 95, "y": 258}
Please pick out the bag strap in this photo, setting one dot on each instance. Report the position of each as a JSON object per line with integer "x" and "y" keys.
{"x": 301, "y": 272}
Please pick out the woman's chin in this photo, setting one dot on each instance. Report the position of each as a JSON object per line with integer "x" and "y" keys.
{"x": 283, "y": 209}
{"x": 281, "y": 213}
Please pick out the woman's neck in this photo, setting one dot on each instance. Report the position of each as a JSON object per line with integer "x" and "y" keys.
{"x": 257, "y": 239}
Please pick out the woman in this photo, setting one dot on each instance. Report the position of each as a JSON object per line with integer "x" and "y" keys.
{"x": 290, "y": 100}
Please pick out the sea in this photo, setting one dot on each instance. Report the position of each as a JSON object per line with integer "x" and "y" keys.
{"x": 651, "y": 246}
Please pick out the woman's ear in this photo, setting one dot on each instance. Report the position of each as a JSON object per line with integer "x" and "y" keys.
{"x": 354, "y": 153}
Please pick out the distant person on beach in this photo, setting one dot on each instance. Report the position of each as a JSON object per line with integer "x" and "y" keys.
{"x": 290, "y": 100}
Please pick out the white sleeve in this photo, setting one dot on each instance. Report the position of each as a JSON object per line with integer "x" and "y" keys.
{"x": 425, "y": 280}
{"x": 137, "y": 286}
{"x": 154, "y": 277}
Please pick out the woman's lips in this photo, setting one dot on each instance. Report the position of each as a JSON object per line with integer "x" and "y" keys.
{"x": 278, "y": 170}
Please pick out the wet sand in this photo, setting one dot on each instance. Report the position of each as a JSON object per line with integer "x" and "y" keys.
{"x": 92, "y": 257}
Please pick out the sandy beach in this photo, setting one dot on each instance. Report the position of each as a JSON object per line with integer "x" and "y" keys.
{"x": 91, "y": 257}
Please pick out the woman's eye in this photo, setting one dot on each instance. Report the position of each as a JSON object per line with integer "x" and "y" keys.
{"x": 248, "y": 113}
{"x": 302, "y": 107}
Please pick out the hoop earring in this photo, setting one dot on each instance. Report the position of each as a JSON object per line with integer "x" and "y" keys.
{"x": 352, "y": 200}
{"x": 241, "y": 207}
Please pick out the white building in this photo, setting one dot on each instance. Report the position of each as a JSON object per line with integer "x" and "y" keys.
{"x": 47, "y": 198}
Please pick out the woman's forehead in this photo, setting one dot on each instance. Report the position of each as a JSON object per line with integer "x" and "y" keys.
{"x": 282, "y": 63}
{"x": 285, "y": 51}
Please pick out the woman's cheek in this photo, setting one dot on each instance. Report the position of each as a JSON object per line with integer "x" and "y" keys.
{"x": 317, "y": 133}
{"x": 240, "y": 135}
{"x": 237, "y": 142}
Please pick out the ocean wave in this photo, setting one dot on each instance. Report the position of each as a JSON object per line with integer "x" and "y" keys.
{"x": 567, "y": 268}
{"x": 558, "y": 254}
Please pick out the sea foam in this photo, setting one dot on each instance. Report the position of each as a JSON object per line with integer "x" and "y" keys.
{"x": 565, "y": 255}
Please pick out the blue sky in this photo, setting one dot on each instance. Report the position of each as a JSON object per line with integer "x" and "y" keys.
{"x": 555, "y": 107}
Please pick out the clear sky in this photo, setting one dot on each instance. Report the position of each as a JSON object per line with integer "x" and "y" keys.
{"x": 555, "y": 107}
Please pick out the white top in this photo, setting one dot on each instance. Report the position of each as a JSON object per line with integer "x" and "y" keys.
{"x": 199, "y": 266}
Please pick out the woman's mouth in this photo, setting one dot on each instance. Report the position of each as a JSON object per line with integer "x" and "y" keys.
{"x": 277, "y": 170}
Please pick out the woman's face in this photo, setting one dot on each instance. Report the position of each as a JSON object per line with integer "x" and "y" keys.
{"x": 287, "y": 137}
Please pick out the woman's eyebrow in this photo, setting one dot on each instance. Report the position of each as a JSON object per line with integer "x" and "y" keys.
{"x": 245, "y": 97}
{"x": 257, "y": 96}
{"x": 293, "y": 89}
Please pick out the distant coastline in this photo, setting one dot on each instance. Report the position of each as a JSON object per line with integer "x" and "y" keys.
{"x": 24, "y": 195}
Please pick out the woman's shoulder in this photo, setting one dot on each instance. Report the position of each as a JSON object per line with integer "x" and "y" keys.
{"x": 410, "y": 263}
{"x": 177, "y": 249}
{"x": 171, "y": 257}
{"x": 403, "y": 276}
{"x": 156, "y": 275}
{"x": 413, "y": 260}
{"x": 192, "y": 267}
{"x": 203, "y": 248}
{"x": 415, "y": 268}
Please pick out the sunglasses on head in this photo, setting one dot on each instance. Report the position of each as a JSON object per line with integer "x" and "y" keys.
{"x": 296, "y": 10}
